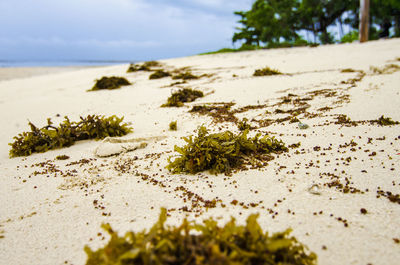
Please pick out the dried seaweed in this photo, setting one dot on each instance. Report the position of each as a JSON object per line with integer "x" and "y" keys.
{"x": 181, "y": 96}
{"x": 51, "y": 137}
{"x": 159, "y": 74}
{"x": 266, "y": 71}
{"x": 220, "y": 112}
{"x": 222, "y": 152}
{"x": 112, "y": 82}
{"x": 200, "y": 244}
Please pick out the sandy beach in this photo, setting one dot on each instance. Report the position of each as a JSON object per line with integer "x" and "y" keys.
{"x": 333, "y": 190}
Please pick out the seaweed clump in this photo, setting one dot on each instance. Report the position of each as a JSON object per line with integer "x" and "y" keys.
{"x": 159, "y": 74}
{"x": 183, "y": 95}
{"x": 66, "y": 134}
{"x": 173, "y": 126}
{"x": 222, "y": 152}
{"x": 200, "y": 244}
{"x": 146, "y": 66}
{"x": 386, "y": 121}
{"x": 266, "y": 71}
{"x": 112, "y": 82}
{"x": 185, "y": 76}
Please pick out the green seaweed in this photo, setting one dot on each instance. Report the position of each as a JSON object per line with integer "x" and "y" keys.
{"x": 185, "y": 76}
{"x": 386, "y": 121}
{"x": 181, "y": 96}
{"x": 173, "y": 126}
{"x": 62, "y": 157}
{"x": 266, "y": 71}
{"x": 200, "y": 244}
{"x": 159, "y": 74}
{"x": 222, "y": 152}
{"x": 66, "y": 134}
{"x": 244, "y": 125}
{"x": 146, "y": 66}
{"x": 112, "y": 82}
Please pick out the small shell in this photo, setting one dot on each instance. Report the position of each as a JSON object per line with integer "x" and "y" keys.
{"x": 314, "y": 189}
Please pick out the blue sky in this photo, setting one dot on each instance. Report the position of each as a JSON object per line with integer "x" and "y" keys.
{"x": 115, "y": 29}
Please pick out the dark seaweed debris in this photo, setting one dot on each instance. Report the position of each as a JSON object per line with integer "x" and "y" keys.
{"x": 185, "y": 76}
{"x": 222, "y": 152}
{"x": 67, "y": 132}
{"x": 266, "y": 71}
{"x": 173, "y": 126}
{"x": 200, "y": 244}
{"x": 146, "y": 66}
{"x": 159, "y": 74}
{"x": 183, "y": 95}
{"x": 386, "y": 121}
{"x": 112, "y": 82}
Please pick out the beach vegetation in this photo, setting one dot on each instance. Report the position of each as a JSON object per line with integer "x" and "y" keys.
{"x": 181, "y": 96}
{"x": 185, "y": 76}
{"x": 386, "y": 121}
{"x": 266, "y": 71}
{"x": 112, "y": 82}
{"x": 192, "y": 243}
{"x": 62, "y": 157}
{"x": 40, "y": 140}
{"x": 159, "y": 74}
{"x": 173, "y": 126}
{"x": 222, "y": 152}
{"x": 146, "y": 66}
{"x": 244, "y": 125}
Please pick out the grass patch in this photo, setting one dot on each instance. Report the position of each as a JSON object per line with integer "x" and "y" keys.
{"x": 181, "y": 96}
{"x": 66, "y": 134}
{"x": 200, "y": 244}
{"x": 222, "y": 152}
{"x": 112, "y": 82}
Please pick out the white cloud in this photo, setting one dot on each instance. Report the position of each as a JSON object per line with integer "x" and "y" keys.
{"x": 119, "y": 24}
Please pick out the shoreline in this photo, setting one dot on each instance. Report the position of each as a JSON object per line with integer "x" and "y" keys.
{"x": 17, "y": 72}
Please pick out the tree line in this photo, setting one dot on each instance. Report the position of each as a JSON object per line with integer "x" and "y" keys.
{"x": 280, "y": 23}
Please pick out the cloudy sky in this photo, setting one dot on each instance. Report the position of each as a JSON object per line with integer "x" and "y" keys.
{"x": 115, "y": 29}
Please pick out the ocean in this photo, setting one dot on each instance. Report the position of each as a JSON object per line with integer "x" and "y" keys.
{"x": 44, "y": 63}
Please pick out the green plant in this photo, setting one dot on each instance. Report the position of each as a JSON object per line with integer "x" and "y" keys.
{"x": 173, "y": 126}
{"x": 51, "y": 137}
{"x": 183, "y": 95}
{"x": 350, "y": 37}
{"x": 200, "y": 244}
{"x": 112, "y": 82}
{"x": 266, "y": 71}
{"x": 159, "y": 74}
{"x": 222, "y": 152}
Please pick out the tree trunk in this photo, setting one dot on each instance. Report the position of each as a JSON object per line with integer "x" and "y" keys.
{"x": 364, "y": 20}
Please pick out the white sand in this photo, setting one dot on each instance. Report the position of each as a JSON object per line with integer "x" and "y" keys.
{"x": 48, "y": 218}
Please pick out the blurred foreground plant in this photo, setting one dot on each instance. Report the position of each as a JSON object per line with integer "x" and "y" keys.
{"x": 198, "y": 244}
